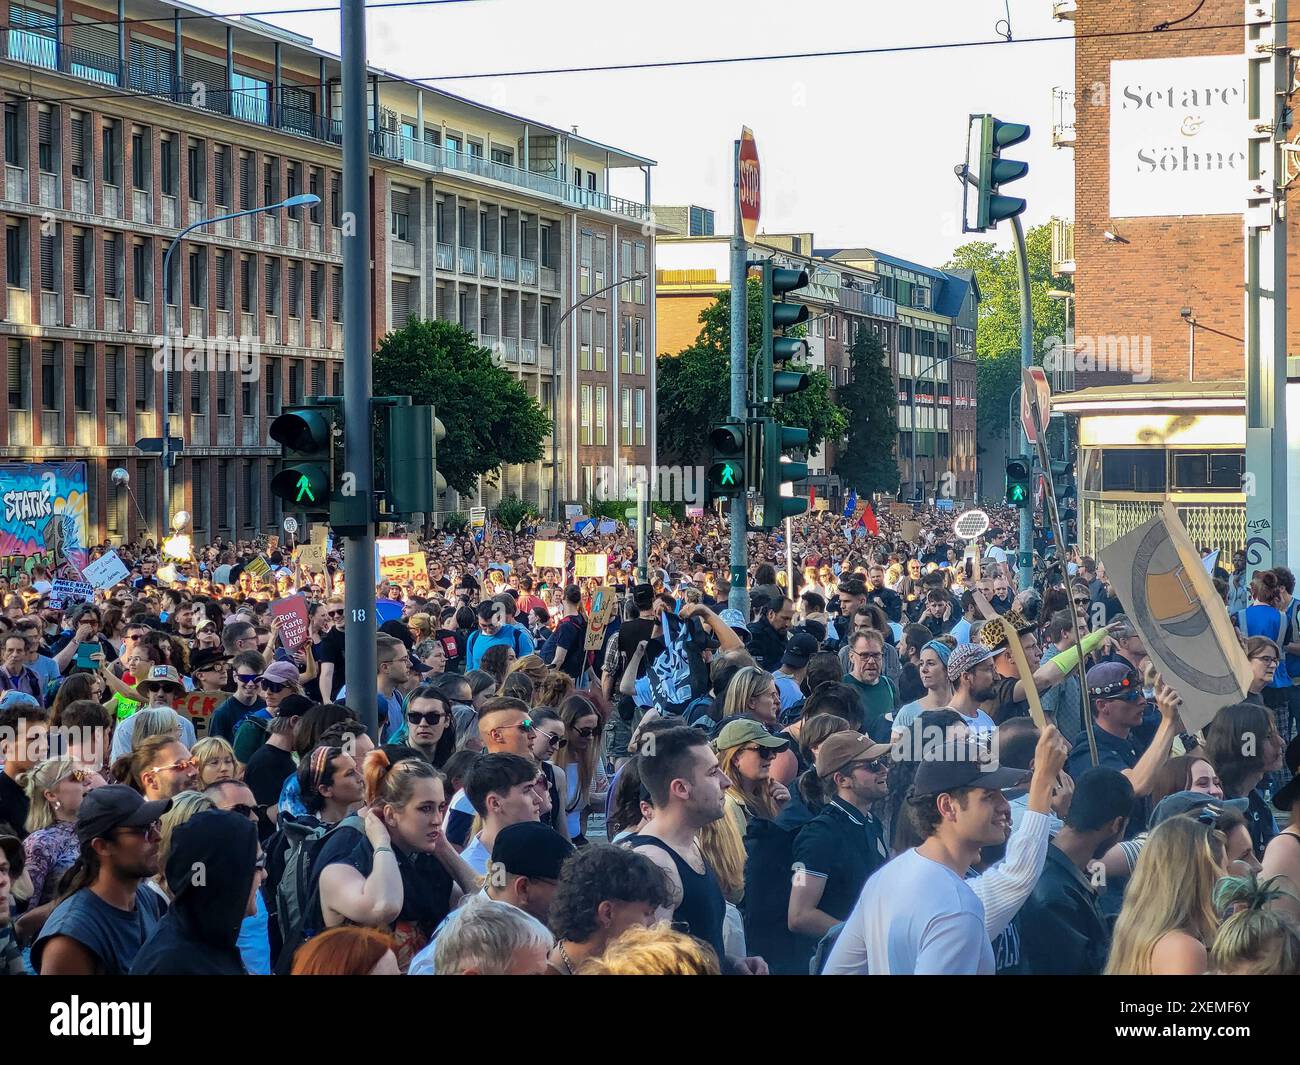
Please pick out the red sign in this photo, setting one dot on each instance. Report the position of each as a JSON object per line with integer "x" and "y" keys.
{"x": 747, "y": 177}
{"x": 1034, "y": 388}
{"x": 292, "y": 613}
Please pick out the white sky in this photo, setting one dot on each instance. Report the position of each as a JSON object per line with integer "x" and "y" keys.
{"x": 857, "y": 150}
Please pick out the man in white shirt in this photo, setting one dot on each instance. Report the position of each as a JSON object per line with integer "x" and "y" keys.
{"x": 918, "y": 915}
{"x": 502, "y": 788}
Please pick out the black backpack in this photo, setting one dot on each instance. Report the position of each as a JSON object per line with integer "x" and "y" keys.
{"x": 296, "y": 900}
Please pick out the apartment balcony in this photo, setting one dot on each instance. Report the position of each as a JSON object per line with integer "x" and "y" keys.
{"x": 247, "y": 324}
{"x": 510, "y": 348}
{"x": 141, "y": 205}
{"x": 51, "y": 308}
{"x": 243, "y": 227}
{"x": 509, "y": 268}
{"x": 527, "y": 272}
{"x": 82, "y": 198}
{"x": 550, "y": 279}
{"x": 112, "y": 315}
{"x": 468, "y": 261}
{"x": 170, "y": 212}
{"x": 270, "y": 228}
{"x": 528, "y": 351}
{"x": 489, "y": 341}
{"x": 15, "y": 184}
{"x": 546, "y": 360}
{"x": 20, "y": 307}
{"x": 224, "y": 323}
{"x": 83, "y": 312}
{"x": 198, "y": 321}
{"x": 294, "y": 336}
{"x": 50, "y": 190}
{"x": 1062, "y": 246}
{"x": 114, "y": 427}
{"x": 1062, "y": 118}
{"x": 314, "y": 238}
{"x": 403, "y": 255}
{"x": 112, "y": 201}
{"x": 143, "y": 320}
{"x": 20, "y": 428}
{"x": 488, "y": 263}
{"x": 336, "y": 241}
{"x": 52, "y": 427}
{"x": 446, "y": 257}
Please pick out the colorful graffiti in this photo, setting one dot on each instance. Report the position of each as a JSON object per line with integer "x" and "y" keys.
{"x": 43, "y": 518}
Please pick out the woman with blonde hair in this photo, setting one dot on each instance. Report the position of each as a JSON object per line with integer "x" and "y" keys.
{"x": 216, "y": 760}
{"x": 183, "y": 807}
{"x": 55, "y": 789}
{"x": 753, "y": 692}
{"x": 555, "y": 687}
{"x": 580, "y": 759}
{"x": 1256, "y": 938}
{"x": 657, "y": 951}
{"x": 1169, "y": 920}
{"x": 533, "y": 667}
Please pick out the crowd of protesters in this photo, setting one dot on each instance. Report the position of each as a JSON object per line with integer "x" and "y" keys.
{"x": 843, "y": 779}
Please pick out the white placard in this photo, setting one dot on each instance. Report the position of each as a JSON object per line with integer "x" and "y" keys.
{"x": 396, "y": 545}
{"x": 1177, "y": 136}
{"x": 971, "y": 524}
{"x": 290, "y": 524}
{"x": 105, "y": 571}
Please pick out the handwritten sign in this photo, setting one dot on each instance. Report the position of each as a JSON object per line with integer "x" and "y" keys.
{"x": 292, "y": 612}
{"x": 590, "y": 565}
{"x": 258, "y": 568}
{"x": 603, "y": 604}
{"x": 199, "y": 708}
{"x": 548, "y": 554}
{"x": 105, "y": 571}
{"x": 405, "y": 569}
{"x": 311, "y": 557}
{"x": 72, "y": 591}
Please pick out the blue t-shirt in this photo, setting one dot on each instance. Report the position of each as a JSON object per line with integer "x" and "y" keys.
{"x": 113, "y": 936}
{"x": 511, "y": 635}
{"x": 254, "y": 940}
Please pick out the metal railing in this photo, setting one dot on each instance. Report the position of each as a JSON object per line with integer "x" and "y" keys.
{"x": 527, "y": 271}
{"x": 468, "y": 263}
{"x": 1062, "y": 246}
{"x": 1103, "y": 521}
{"x": 446, "y": 257}
{"x": 1062, "y": 118}
{"x": 509, "y": 268}
{"x": 487, "y": 263}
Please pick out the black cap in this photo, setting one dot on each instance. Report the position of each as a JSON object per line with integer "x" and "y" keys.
{"x": 643, "y": 595}
{"x": 802, "y": 646}
{"x": 530, "y": 848}
{"x": 964, "y": 769}
{"x": 201, "y": 659}
{"x": 116, "y": 806}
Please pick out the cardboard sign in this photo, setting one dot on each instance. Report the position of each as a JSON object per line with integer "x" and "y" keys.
{"x": 548, "y": 530}
{"x": 902, "y": 510}
{"x": 311, "y": 557}
{"x": 910, "y": 530}
{"x": 584, "y": 527}
{"x": 1167, "y": 595}
{"x": 292, "y": 612}
{"x": 259, "y": 569}
{"x": 477, "y": 517}
{"x": 106, "y": 571}
{"x": 590, "y": 565}
{"x": 603, "y": 604}
{"x": 318, "y": 535}
{"x": 412, "y": 568}
{"x": 72, "y": 591}
{"x": 199, "y": 708}
{"x": 548, "y": 554}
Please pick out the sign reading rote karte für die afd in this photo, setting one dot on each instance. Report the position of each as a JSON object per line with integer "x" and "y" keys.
{"x": 1177, "y": 135}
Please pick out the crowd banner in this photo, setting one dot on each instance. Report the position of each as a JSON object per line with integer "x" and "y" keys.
{"x": 1160, "y": 578}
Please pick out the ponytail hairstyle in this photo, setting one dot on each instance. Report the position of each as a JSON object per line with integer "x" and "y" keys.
{"x": 1266, "y": 588}
{"x": 393, "y": 783}
{"x": 813, "y": 790}
{"x": 1256, "y": 939}
{"x": 36, "y": 782}
{"x": 130, "y": 768}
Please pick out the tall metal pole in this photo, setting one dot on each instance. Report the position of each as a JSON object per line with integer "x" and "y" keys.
{"x": 738, "y": 595}
{"x": 358, "y": 447}
{"x": 1268, "y": 124}
{"x": 1025, "y": 562}
{"x": 642, "y": 531}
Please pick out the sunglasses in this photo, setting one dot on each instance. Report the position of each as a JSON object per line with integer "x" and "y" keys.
{"x": 335, "y": 613}
{"x": 153, "y": 831}
{"x": 246, "y": 678}
{"x": 244, "y": 810}
{"x": 526, "y": 724}
{"x": 182, "y": 766}
{"x": 271, "y": 686}
{"x": 765, "y": 753}
{"x": 431, "y": 718}
{"x": 586, "y": 733}
{"x": 876, "y": 765}
{"x": 556, "y": 743}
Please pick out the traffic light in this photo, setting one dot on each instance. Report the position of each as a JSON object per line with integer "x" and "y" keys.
{"x": 728, "y": 460}
{"x": 994, "y": 171}
{"x": 306, "y": 435}
{"x": 1067, "y": 495}
{"x": 773, "y": 440}
{"x": 411, "y": 478}
{"x": 775, "y": 351}
{"x": 1019, "y": 483}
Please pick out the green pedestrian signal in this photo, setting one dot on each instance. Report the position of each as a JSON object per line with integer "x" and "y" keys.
{"x": 1019, "y": 481}
{"x": 306, "y": 434}
{"x": 726, "y": 476}
{"x": 304, "y": 489}
{"x": 1017, "y": 494}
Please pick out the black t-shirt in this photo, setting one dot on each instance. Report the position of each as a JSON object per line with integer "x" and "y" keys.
{"x": 330, "y": 649}
{"x": 630, "y": 634}
{"x": 267, "y": 771}
{"x": 844, "y": 847}
{"x": 113, "y": 936}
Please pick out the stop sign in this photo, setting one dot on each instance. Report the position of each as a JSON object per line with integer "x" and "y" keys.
{"x": 747, "y": 178}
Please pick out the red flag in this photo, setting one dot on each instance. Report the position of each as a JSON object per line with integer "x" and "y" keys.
{"x": 812, "y": 497}
{"x": 868, "y": 519}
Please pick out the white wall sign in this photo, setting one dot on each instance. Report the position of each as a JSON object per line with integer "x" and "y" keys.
{"x": 1177, "y": 136}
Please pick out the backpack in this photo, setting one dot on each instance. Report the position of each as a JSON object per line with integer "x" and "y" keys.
{"x": 297, "y": 894}
{"x": 677, "y": 676}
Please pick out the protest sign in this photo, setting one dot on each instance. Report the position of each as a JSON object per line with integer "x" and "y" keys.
{"x": 106, "y": 570}
{"x": 258, "y": 568}
{"x": 388, "y": 610}
{"x": 199, "y": 708}
{"x": 393, "y": 545}
{"x": 411, "y": 568}
{"x": 292, "y": 612}
{"x": 72, "y": 591}
{"x": 607, "y": 527}
{"x": 590, "y": 565}
{"x": 548, "y": 554}
{"x": 311, "y": 557}
{"x": 603, "y": 604}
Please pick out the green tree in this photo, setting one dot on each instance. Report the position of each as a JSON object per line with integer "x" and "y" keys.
{"x": 512, "y": 511}
{"x": 694, "y": 387}
{"x": 490, "y": 419}
{"x": 997, "y": 340}
{"x": 866, "y": 463}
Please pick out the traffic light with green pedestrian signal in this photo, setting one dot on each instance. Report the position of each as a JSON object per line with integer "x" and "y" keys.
{"x": 727, "y": 461}
{"x": 1020, "y": 483}
{"x": 994, "y": 171}
{"x": 773, "y": 441}
{"x": 306, "y": 435}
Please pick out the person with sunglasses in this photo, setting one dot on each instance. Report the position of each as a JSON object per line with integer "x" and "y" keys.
{"x": 245, "y": 670}
{"x": 506, "y": 727}
{"x": 550, "y": 737}
{"x": 107, "y": 911}
{"x": 329, "y": 654}
{"x": 55, "y": 789}
{"x": 254, "y": 941}
{"x": 428, "y": 727}
{"x": 844, "y": 844}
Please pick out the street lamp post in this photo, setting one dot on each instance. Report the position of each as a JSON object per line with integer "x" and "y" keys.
{"x": 305, "y": 200}
{"x": 555, "y": 387}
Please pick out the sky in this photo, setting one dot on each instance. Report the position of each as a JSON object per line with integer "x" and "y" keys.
{"x": 858, "y": 150}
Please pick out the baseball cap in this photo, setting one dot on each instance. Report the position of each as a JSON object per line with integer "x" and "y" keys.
{"x": 965, "y": 769}
{"x": 13, "y": 848}
{"x": 735, "y": 621}
{"x": 965, "y": 658}
{"x": 841, "y": 748}
{"x": 643, "y": 595}
{"x": 530, "y": 848}
{"x": 802, "y": 646}
{"x": 1114, "y": 680}
{"x": 116, "y": 806}
{"x": 11, "y": 699}
{"x": 742, "y": 730}
{"x": 281, "y": 673}
{"x": 1186, "y": 802}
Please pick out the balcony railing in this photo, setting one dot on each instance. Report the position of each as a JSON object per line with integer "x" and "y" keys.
{"x": 170, "y": 211}
{"x": 528, "y": 351}
{"x": 487, "y": 263}
{"x": 550, "y": 279}
{"x": 51, "y": 192}
{"x": 1062, "y": 118}
{"x": 20, "y": 307}
{"x": 528, "y": 271}
{"x": 81, "y": 196}
{"x": 546, "y": 358}
{"x": 113, "y": 315}
{"x": 403, "y": 255}
{"x": 446, "y": 257}
{"x": 83, "y": 312}
{"x": 510, "y": 346}
{"x": 51, "y": 308}
{"x": 52, "y": 427}
{"x": 15, "y": 184}
{"x": 509, "y": 268}
{"x": 468, "y": 263}
{"x": 143, "y": 317}
{"x": 271, "y": 332}
{"x": 1062, "y": 246}
{"x": 141, "y": 206}
{"x": 112, "y": 201}
{"x": 114, "y": 427}
{"x": 198, "y": 321}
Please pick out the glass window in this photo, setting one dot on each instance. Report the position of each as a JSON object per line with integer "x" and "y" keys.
{"x": 1133, "y": 470}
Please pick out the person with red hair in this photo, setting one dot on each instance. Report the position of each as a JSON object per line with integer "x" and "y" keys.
{"x": 349, "y": 950}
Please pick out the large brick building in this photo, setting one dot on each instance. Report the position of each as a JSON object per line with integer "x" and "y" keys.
{"x": 121, "y": 126}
